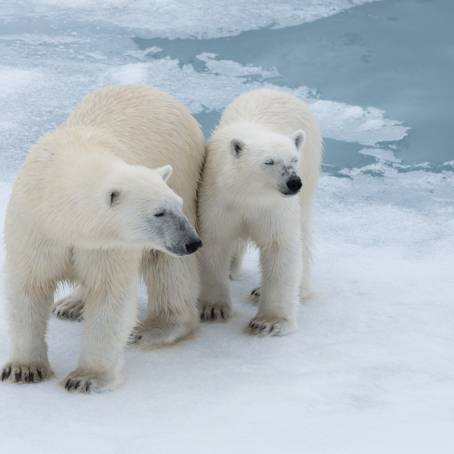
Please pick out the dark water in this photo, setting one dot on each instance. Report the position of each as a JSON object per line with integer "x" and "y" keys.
{"x": 394, "y": 55}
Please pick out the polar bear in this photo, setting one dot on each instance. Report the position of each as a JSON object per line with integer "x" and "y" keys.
{"x": 91, "y": 205}
{"x": 259, "y": 178}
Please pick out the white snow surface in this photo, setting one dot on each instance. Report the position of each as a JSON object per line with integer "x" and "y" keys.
{"x": 370, "y": 370}
{"x": 186, "y": 18}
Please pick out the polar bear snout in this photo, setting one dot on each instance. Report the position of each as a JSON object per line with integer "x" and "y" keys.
{"x": 190, "y": 246}
{"x": 180, "y": 237}
{"x": 294, "y": 184}
{"x": 193, "y": 246}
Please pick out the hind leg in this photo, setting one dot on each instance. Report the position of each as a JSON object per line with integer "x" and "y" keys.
{"x": 71, "y": 307}
{"x": 305, "y": 288}
{"x": 173, "y": 288}
{"x": 306, "y": 241}
{"x": 237, "y": 259}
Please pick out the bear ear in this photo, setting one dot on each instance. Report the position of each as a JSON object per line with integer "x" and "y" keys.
{"x": 237, "y": 146}
{"x": 165, "y": 172}
{"x": 299, "y": 138}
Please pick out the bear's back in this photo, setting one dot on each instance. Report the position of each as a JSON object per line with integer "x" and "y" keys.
{"x": 153, "y": 129}
{"x": 275, "y": 109}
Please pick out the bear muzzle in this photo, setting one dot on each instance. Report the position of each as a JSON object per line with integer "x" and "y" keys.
{"x": 293, "y": 185}
{"x": 193, "y": 246}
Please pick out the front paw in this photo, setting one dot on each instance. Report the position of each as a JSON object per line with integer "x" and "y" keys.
{"x": 273, "y": 326}
{"x": 215, "y": 312}
{"x": 14, "y": 372}
{"x": 85, "y": 381}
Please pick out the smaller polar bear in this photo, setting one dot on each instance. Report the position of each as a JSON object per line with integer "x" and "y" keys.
{"x": 91, "y": 205}
{"x": 266, "y": 150}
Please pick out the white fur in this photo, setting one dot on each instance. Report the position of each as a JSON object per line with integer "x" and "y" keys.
{"x": 241, "y": 199}
{"x": 83, "y": 210}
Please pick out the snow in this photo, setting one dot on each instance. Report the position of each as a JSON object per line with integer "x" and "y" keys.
{"x": 381, "y": 155}
{"x": 371, "y": 368}
{"x": 14, "y": 81}
{"x": 187, "y": 18}
{"x": 366, "y": 126}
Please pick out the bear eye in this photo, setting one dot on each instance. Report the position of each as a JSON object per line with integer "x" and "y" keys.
{"x": 270, "y": 162}
{"x": 160, "y": 214}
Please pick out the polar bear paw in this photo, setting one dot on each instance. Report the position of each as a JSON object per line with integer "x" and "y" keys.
{"x": 260, "y": 326}
{"x": 69, "y": 308}
{"x": 14, "y": 372}
{"x": 85, "y": 381}
{"x": 160, "y": 333}
{"x": 215, "y": 312}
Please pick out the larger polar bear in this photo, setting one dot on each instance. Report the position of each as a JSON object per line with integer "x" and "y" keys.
{"x": 87, "y": 207}
{"x": 265, "y": 151}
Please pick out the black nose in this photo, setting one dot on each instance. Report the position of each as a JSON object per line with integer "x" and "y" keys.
{"x": 294, "y": 184}
{"x": 193, "y": 246}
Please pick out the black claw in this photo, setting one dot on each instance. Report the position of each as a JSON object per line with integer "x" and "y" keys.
{"x": 27, "y": 377}
{"x": 87, "y": 386}
{"x": 6, "y": 373}
{"x": 213, "y": 314}
{"x": 39, "y": 373}
{"x": 18, "y": 376}
{"x": 68, "y": 385}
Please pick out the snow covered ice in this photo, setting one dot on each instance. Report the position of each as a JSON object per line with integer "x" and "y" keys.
{"x": 371, "y": 368}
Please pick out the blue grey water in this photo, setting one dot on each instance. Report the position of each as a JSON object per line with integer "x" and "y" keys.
{"x": 395, "y": 55}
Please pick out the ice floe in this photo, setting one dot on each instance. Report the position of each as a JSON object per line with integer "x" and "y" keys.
{"x": 222, "y": 80}
{"x": 187, "y": 18}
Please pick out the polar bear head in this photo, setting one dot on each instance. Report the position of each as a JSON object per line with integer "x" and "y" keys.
{"x": 266, "y": 161}
{"x": 138, "y": 207}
